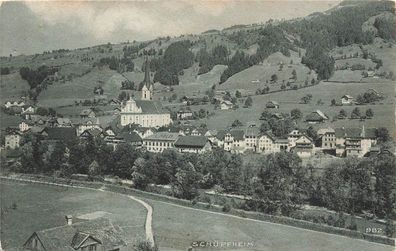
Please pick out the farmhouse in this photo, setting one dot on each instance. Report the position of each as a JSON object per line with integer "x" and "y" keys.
{"x": 316, "y": 117}
{"x": 28, "y": 109}
{"x": 9, "y": 104}
{"x": 62, "y": 122}
{"x": 266, "y": 143}
{"x": 234, "y": 141}
{"x": 327, "y": 138}
{"x": 193, "y": 144}
{"x": 86, "y": 124}
{"x": 91, "y": 133}
{"x": 226, "y": 105}
{"x": 160, "y": 141}
{"x": 184, "y": 114}
{"x": 346, "y": 99}
{"x": 55, "y": 134}
{"x": 99, "y": 234}
{"x": 272, "y": 105}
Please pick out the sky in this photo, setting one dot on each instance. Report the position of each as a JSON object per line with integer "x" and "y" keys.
{"x": 35, "y": 26}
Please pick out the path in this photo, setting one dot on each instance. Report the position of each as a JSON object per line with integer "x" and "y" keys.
{"x": 149, "y": 216}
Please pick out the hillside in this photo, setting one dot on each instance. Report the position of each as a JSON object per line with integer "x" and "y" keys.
{"x": 242, "y": 57}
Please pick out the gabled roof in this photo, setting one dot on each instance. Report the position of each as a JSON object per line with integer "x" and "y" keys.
{"x": 169, "y": 136}
{"x": 347, "y": 96}
{"x": 60, "y": 133}
{"x": 130, "y": 137}
{"x": 355, "y": 133}
{"x": 252, "y": 131}
{"x": 314, "y": 116}
{"x": 150, "y": 107}
{"x": 65, "y": 238}
{"x": 94, "y": 132}
{"x": 237, "y": 134}
{"x": 271, "y": 102}
{"x": 191, "y": 141}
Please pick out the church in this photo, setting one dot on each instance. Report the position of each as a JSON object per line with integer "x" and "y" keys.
{"x": 145, "y": 112}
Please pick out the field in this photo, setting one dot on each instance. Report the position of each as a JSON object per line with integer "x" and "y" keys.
{"x": 175, "y": 227}
{"x": 39, "y": 207}
{"x": 325, "y": 91}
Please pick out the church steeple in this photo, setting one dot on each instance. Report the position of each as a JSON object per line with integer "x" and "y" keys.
{"x": 147, "y": 87}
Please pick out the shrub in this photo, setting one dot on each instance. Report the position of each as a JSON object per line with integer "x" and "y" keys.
{"x": 226, "y": 208}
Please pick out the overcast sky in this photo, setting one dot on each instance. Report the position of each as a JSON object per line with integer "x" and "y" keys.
{"x": 30, "y": 27}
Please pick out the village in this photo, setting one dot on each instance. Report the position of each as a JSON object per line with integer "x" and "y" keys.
{"x": 145, "y": 124}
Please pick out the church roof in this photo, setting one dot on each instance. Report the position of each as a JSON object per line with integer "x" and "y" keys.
{"x": 150, "y": 107}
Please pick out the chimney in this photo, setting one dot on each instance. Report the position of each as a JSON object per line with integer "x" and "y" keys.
{"x": 69, "y": 220}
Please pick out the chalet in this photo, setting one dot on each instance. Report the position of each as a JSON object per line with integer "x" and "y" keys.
{"x": 272, "y": 105}
{"x": 226, "y": 105}
{"x": 131, "y": 138}
{"x": 184, "y": 114}
{"x": 99, "y": 234}
{"x": 316, "y": 117}
{"x": 193, "y": 144}
{"x": 160, "y": 141}
{"x": 87, "y": 113}
{"x": 293, "y": 136}
{"x": 12, "y": 139}
{"x": 303, "y": 147}
{"x": 346, "y": 99}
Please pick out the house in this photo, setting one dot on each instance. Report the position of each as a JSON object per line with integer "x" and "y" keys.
{"x": 87, "y": 123}
{"x": 131, "y": 138}
{"x": 234, "y": 141}
{"x": 355, "y": 141}
{"x": 10, "y": 104}
{"x": 117, "y": 110}
{"x": 226, "y": 105}
{"x": 12, "y": 139}
{"x": 303, "y": 147}
{"x": 28, "y": 109}
{"x": 56, "y": 134}
{"x": 281, "y": 145}
{"x": 272, "y": 105}
{"x": 346, "y": 99}
{"x": 266, "y": 143}
{"x": 193, "y": 144}
{"x": 62, "y": 122}
{"x": 24, "y": 126}
{"x": 98, "y": 234}
{"x": 160, "y": 141}
{"x": 87, "y": 113}
{"x": 91, "y": 133}
{"x": 316, "y": 117}
{"x": 251, "y": 136}
{"x": 184, "y": 114}
{"x": 292, "y": 137}
{"x": 327, "y": 138}
{"x": 277, "y": 115}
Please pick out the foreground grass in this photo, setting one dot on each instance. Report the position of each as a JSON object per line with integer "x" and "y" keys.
{"x": 30, "y": 207}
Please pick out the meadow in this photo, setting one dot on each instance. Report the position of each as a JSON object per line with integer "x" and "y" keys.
{"x": 325, "y": 91}
{"x": 29, "y": 207}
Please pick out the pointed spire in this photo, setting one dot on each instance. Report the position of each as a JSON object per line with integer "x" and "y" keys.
{"x": 146, "y": 80}
{"x": 363, "y": 133}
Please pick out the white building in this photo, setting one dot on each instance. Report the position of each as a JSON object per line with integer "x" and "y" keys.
{"x": 160, "y": 141}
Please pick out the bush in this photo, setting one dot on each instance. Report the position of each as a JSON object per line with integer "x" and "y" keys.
{"x": 226, "y": 208}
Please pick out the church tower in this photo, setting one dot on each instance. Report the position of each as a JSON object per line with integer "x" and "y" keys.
{"x": 147, "y": 88}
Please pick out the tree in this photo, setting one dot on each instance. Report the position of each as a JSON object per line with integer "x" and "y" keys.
{"x": 355, "y": 113}
{"x": 382, "y": 134}
{"x": 342, "y": 114}
{"x": 294, "y": 74}
{"x": 248, "y": 102}
{"x": 274, "y": 78}
{"x": 236, "y": 123}
{"x": 296, "y": 114}
{"x": 238, "y": 94}
{"x": 369, "y": 113}
{"x": 186, "y": 182}
{"x": 333, "y": 102}
{"x": 232, "y": 173}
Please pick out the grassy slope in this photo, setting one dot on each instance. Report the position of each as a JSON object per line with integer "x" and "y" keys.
{"x": 259, "y": 76}
{"x": 12, "y": 86}
{"x": 35, "y": 213}
{"x": 325, "y": 91}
